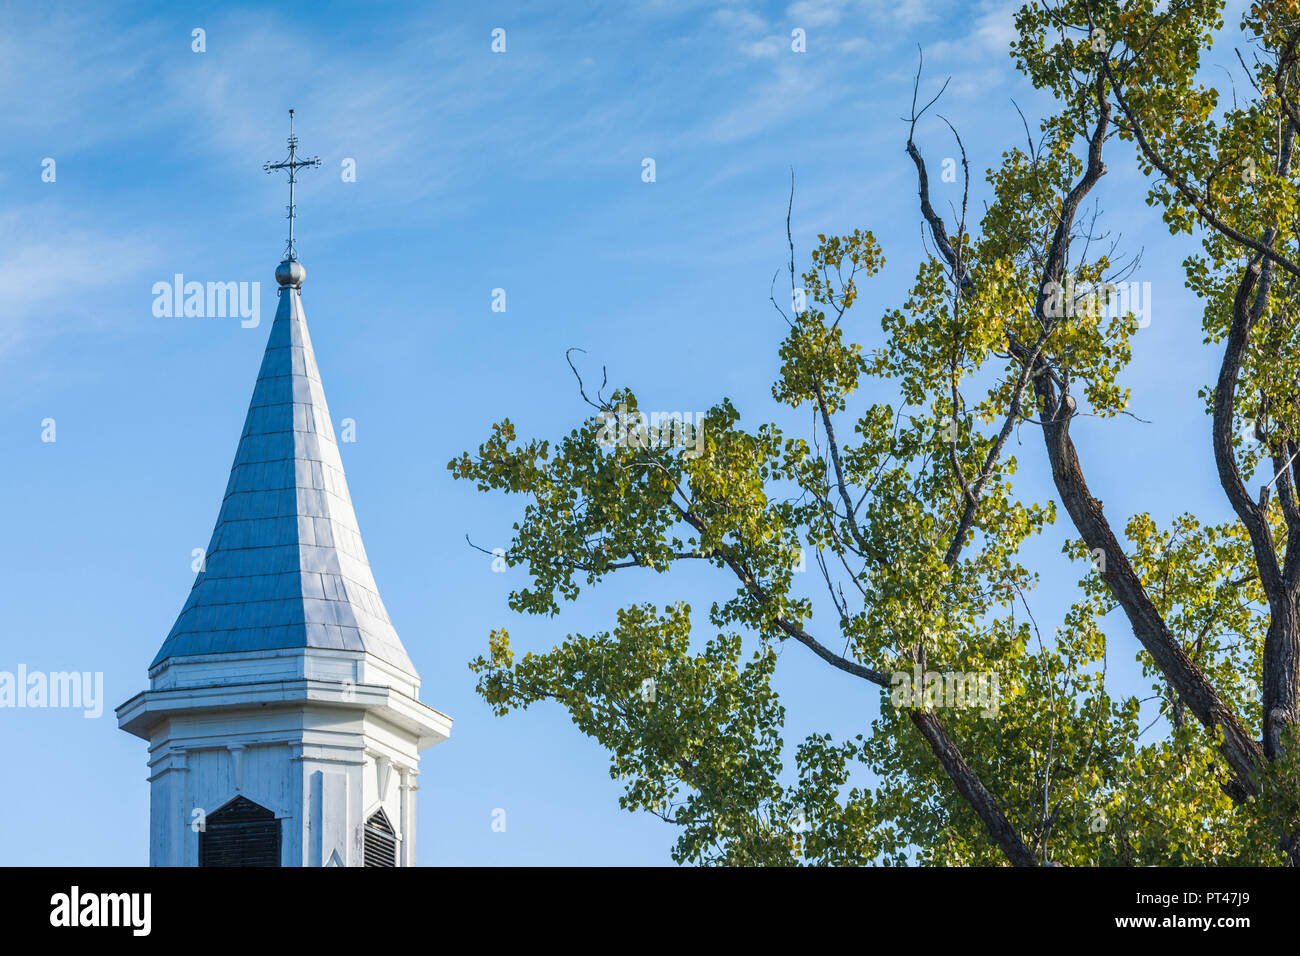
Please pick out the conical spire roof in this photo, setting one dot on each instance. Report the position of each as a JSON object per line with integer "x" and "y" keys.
{"x": 286, "y": 567}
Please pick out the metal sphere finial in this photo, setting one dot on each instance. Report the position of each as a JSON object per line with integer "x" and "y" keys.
{"x": 290, "y": 272}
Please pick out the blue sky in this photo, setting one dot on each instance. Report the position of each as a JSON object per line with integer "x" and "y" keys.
{"x": 475, "y": 171}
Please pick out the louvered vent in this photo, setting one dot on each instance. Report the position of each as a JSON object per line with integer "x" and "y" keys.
{"x": 381, "y": 841}
{"x": 240, "y": 834}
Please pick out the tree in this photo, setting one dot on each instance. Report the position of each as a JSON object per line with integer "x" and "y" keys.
{"x": 994, "y": 742}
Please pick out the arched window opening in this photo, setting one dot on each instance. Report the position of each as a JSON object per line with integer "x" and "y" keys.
{"x": 240, "y": 834}
{"x": 380, "y": 841}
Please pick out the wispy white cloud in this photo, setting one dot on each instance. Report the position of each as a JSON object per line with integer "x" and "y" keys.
{"x": 816, "y": 13}
{"x": 59, "y": 68}
{"x": 979, "y": 59}
{"x": 48, "y": 273}
{"x": 746, "y": 21}
{"x": 427, "y": 114}
{"x": 903, "y": 14}
{"x": 897, "y": 14}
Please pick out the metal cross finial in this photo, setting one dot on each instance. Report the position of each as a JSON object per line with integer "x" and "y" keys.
{"x": 293, "y": 164}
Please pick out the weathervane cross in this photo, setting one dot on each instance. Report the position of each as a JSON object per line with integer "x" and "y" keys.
{"x": 293, "y": 164}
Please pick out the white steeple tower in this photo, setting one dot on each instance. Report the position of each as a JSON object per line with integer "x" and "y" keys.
{"x": 283, "y": 714}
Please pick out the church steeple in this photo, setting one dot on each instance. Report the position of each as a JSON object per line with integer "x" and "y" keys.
{"x": 286, "y": 566}
{"x": 283, "y": 709}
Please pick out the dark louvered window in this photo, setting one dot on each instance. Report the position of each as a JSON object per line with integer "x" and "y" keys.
{"x": 381, "y": 841}
{"x": 240, "y": 834}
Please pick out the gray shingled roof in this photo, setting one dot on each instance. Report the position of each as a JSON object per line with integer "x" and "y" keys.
{"x": 286, "y": 567}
